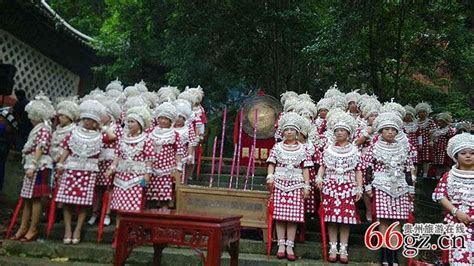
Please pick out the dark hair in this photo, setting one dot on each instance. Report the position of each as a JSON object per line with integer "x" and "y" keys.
{"x": 20, "y": 94}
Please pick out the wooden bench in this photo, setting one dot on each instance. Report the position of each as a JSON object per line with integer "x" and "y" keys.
{"x": 195, "y": 230}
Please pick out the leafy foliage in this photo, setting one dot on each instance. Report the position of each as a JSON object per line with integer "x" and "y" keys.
{"x": 409, "y": 50}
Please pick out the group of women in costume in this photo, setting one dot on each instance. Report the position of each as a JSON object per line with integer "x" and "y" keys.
{"x": 134, "y": 143}
{"x": 342, "y": 149}
{"x": 350, "y": 147}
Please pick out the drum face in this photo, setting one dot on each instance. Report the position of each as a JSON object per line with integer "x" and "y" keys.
{"x": 268, "y": 110}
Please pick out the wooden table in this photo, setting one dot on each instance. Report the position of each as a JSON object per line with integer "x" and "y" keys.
{"x": 194, "y": 230}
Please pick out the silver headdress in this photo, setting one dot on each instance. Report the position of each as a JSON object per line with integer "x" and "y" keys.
{"x": 287, "y": 95}
{"x": 393, "y": 107}
{"x": 333, "y": 91}
{"x": 115, "y": 85}
{"x": 446, "y": 117}
{"x": 305, "y": 97}
{"x": 167, "y": 93}
{"x": 134, "y": 101}
{"x": 306, "y": 109}
{"x": 92, "y": 109}
{"x": 423, "y": 106}
{"x": 370, "y": 106}
{"x": 458, "y": 143}
{"x": 325, "y": 103}
{"x": 290, "y": 120}
{"x": 388, "y": 119}
{"x": 131, "y": 91}
{"x": 409, "y": 110}
{"x": 167, "y": 110}
{"x": 198, "y": 91}
{"x": 40, "y": 109}
{"x": 183, "y": 108}
{"x": 189, "y": 96}
{"x": 112, "y": 108}
{"x": 141, "y": 114}
{"x": 290, "y": 104}
{"x": 141, "y": 86}
{"x": 338, "y": 119}
{"x": 151, "y": 98}
{"x": 69, "y": 109}
{"x": 353, "y": 96}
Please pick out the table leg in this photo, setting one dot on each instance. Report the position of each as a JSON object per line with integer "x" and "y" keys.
{"x": 158, "y": 251}
{"x": 121, "y": 252}
{"x": 234, "y": 253}
{"x": 214, "y": 251}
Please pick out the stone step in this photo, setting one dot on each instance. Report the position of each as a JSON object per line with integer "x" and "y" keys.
{"x": 93, "y": 254}
{"x": 31, "y": 261}
{"x": 251, "y": 237}
{"x": 311, "y": 248}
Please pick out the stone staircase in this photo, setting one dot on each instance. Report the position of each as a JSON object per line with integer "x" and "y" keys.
{"x": 252, "y": 248}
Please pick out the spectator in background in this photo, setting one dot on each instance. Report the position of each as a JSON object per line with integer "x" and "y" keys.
{"x": 24, "y": 124}
{"x": 8, "y": 128}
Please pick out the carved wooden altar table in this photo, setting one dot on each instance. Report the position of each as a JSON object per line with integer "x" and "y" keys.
{"x": 195, "y": 230}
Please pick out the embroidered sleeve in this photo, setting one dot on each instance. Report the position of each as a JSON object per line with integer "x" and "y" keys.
{"x": 65, "y": 143}
{"x": 179, "y": 145}
{"x": 272, "y": 156}
{"x": 318, "y": 157}
{"x": 409, "y": 165}
{"x": 360, "y": 164}
{"x": 368, "y": 159}
{"x": 308, "y": 162}
{"x": 203, "y": 116}
{"x": 192, "y": 136}
{"x": 441, "y": 190}
{"x": 43, "y": 140}
{"x": 118, "y": 149}
{"x": 118, "y": 132}
{"x": 451, "y": 132}
{"x": 149, "y": 150}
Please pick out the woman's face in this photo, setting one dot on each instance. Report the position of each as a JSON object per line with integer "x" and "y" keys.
{"x": 90, "y": 124}
{"x": 352, "y": 107}
{"x": 341, "y": 134}
{"x": 441, "y": 124}
{"x": 371, "y": 119}
{"x": 323, "y": 113}
{"x": 465, "y": 158}
{"x": 133, "y": 126}
{"x": 422, "y": 115}
{"x": 179, "y": 121}
{"x": 389, "y": 133}
{"x": 64, "y": 120}
{"x": 408, "y": 119}
{"x": 105, "y": 119}
{"x": 290, "y": 133}
{"x": 164, "y": 122}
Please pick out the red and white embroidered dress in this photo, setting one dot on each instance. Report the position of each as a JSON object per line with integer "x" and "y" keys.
{"x": 58, "y": 137}
{"x": 288, "y": 188}
{"x": 107, "y": 155}
{"x": 457, "y": 186}
{"x": 426, "y": 152}
{"x": 166, "y": 146}
{"x": 413, "y": 134}
{"x": 441, "y": 137}
{"x": 128, "y": 193}
{"x": 39, "y": 137}
{"x": 81, "y": 166}
{"x": 389, "y": 162}
{"x": 339, "y": 183}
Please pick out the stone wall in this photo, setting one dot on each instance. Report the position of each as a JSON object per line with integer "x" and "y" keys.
{"x": 35, "y": 71}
